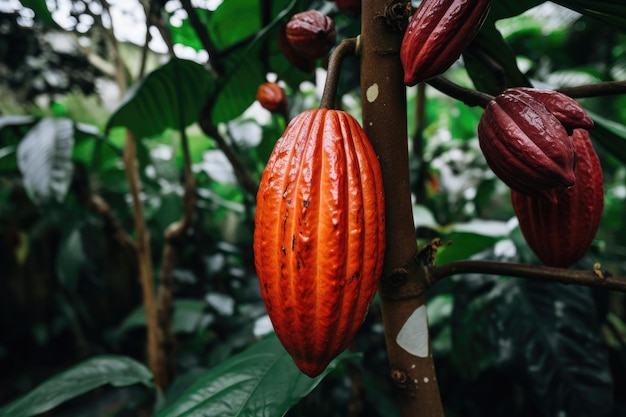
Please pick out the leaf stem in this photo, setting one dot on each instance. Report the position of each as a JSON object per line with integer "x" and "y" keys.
{"x": 346, "y": 47}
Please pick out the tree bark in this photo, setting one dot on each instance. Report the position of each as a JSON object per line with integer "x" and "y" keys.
{"x": 384, "y": 120}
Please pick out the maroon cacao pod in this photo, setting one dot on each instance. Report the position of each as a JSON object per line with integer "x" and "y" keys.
{"x": 525, "y": 145}
{"x": 560, "y": 233}
{"x": 566, "y": 109}
{"x": 319, "y": 236}
{"x": 350, "y": 7}
{"x": 293, "y": 56}
{"x": 311, "y": 34}
{"x": 272, "y": 97}
{"x": 437, "y": 34}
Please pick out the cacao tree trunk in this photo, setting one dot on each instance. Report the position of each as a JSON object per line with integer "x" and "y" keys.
{"x": 401, "y": 296}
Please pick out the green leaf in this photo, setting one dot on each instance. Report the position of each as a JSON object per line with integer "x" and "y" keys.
{"x": 95, "y": 372}
{"x": 502, "y": 9}
{"x": 232, "y": 21}
{"x": 171, "y": 96}
{"x": 260, "y": 381}
{"x": 547, "y": 339}
{"x": 612, "y": 12}
{"x": 42, "y": 13}
{"x": 611, "y": 135}
{"x": 490, "y": 42}
{"x": 44, "y": 157}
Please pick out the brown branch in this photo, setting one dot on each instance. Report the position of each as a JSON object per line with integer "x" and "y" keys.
{"x": 203, "y": 35}
{"x": 592, "y": 278}
{"x": 595, "y": 90}
{"x": 144, "y": 261}
{"x": 468, "y": 96}
{"x": 174, "y": 236}
{"x": 244, "y": 178}
{"x": 345, "y": 48}
{"x": 384, "y": 120}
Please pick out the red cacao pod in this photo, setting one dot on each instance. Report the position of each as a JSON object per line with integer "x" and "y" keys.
{"x": 564, "y": 108}
{"x": 311, "y": 34}
{"x": 272, "y": 97}
{"x": 319, "y": 235}
{"x": 560, "y": 233}
{"x": 350, "y": 7}
{"x": 525, "y": 145}
{"x": 293, "y": 56}
{"x": 437, "y": 34}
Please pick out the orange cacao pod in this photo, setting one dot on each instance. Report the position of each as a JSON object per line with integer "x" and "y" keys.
{"x": 272, "y": 97}
{"x": 560, "y": 233}
{"x": 525, "y": 145}
{"x": 319, "y": 235}
{"x": 311, "y": 34}
{"x": 437, "y": 34}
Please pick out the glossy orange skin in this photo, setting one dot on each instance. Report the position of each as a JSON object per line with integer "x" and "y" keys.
{"x": 319, "y": 236}
{"x": 561, "y": 233}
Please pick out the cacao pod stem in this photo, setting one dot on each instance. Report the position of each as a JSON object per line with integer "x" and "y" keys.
{"x": 346, "y": 47}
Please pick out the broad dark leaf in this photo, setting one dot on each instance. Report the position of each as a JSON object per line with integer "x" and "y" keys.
{"x": 491, "y": 63}
{"x": 501, "y": 9}
{"x": 260, "y": 381}
{"x": 42, "y": 13}
{"x": 95, "y": 372}
{"x": 611, "y": 135}
{"x": 44, "y": 157}
{"x": 233, "y": 21}
{"x": 612, "y": 12}
{"x": 546, "y": 338}
{"x": 171, "y": 96}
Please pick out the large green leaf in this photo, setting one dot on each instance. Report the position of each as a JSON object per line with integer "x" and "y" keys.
{"x": 42, "y": 13}
{"x": 501, "y": 9}
{"x": 233, "y": 21}
{"x": 612, "y": 12}
{"x": 490, "y": 43}
{"x": 171, "y": 96}
{"x": 260, "y": 381}
{"x": 44, "y": 157}
{"x": 611, "y": 135}
{"x": 543, "y": 336}
{"x": 93, "y": 373}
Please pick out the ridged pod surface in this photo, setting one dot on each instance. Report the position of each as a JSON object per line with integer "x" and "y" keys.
{"x": 525, "y": 145}
{"x": 564, "y": 108}
{"x": 311, "y": 34}
{"x": 560, "y": 233}
{"x": 319, "y": 236}
{"x": 437, "y": 34}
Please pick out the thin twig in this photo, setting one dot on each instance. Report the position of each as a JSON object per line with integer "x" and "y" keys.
{"x": 346, "y": 47}
{"x": 595, "y": 90}
{"x": 468, "y": 96}
{"x": 593, "y": 278}
{"x": 203, "y": 35}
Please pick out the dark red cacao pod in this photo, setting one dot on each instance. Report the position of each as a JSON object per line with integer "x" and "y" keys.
{"x": 302, "y": 63}
{"x": 437, "y": 34}
{"x": 525, "y": 145}
{"x": 350, "y": 7}
{"x": 564, "y": 108}
{"x": 311, "y": 34}
{"x": 319, "y": 235}
{"x": 560, "y": 233}
{"x": 272, "y": 97}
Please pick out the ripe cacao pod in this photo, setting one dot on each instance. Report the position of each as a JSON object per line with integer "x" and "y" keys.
{"x": 566, "y": 109}
{"x": 437, "y": 34}
{"x": 560, "y": 233}
{"x": 525, "y": 145}
{"x": 311, "y": 34}
{"x": 272, "y": 97}
{"x": 319, "y": 235}
{"x": 293, "y": 56}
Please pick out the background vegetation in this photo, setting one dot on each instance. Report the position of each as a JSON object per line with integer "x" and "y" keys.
{"x": 74, "y": 82}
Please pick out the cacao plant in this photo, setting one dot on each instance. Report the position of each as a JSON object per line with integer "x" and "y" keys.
{"x": 566, "y": 109}
{"x": 319, "y": 235}
{"x": 561, "y": 233}
{"x": 272, "y": 97}
{"x": 294, "y": 57}
{"x": 525, "y": 145}
{"x": 311, "y": 34}
{"x": 437, "y": 34}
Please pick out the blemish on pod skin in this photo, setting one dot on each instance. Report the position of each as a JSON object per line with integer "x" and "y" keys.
{"x": 413, "y": 337}
{"x": 372, "y": 93}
